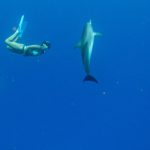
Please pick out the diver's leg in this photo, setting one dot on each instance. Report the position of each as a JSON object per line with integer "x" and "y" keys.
{"x": 17, "y": 46}
{"x": 12, "y": 37}
{"x": 13, "y": 41}
{"x": 16, "y": 39}
{"x": 12, "y": 44}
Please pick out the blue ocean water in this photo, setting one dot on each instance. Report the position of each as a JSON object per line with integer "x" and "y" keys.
{"x": 44, "y": 104}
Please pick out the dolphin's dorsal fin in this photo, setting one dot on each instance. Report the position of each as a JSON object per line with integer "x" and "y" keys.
{"x": 97, "y": 34}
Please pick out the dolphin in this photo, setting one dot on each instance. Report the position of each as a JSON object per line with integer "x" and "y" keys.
{"x": 86, "y": 46}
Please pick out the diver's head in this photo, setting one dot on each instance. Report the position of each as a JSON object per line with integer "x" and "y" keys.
{"x": 47, "y": 44}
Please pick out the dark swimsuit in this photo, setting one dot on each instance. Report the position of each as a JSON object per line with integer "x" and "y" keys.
{"x": 24, "y": 50}
{"x": 31, "y": 52}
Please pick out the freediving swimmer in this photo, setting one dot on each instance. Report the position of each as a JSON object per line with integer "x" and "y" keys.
{"x": 26, "y": 50}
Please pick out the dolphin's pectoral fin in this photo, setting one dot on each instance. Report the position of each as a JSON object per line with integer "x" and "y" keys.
{"x": 78, "y": 45}
{"x": 97, "y": 34}
{"x": 90, "y": 78}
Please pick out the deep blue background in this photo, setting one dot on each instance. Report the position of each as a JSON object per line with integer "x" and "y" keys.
{"x": 44, "y": 105}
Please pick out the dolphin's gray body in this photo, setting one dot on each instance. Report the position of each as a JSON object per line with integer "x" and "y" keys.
{"x": 86, "y": 46}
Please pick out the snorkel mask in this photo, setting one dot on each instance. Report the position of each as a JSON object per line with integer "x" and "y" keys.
{"x": 47, "y": 43}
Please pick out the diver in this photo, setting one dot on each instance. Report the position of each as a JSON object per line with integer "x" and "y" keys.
{"x": 26, "y": 50}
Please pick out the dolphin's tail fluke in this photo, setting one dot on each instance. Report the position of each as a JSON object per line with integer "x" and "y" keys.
{"x": 90, "y": 78}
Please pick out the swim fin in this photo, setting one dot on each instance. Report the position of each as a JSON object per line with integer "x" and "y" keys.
{"x": 90, "y": 78}
{"x": 22, "y": 26}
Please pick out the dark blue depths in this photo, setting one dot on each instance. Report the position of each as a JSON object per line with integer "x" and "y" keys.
{"x": 44, "y": 105}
